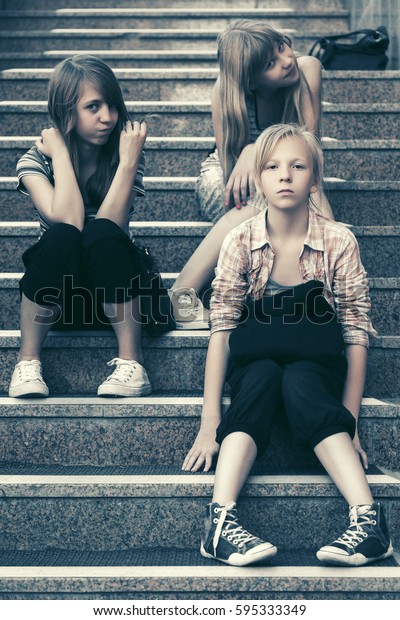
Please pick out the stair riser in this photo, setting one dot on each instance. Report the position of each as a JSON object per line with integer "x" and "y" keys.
{"x": 128, "y": 441}
{"x": 124, "y": 523}
{"x": 354, "y": 206}
{"x": 379, "y": 254}
{"x": 339, "y": 125}
{"x": 361, "y": 164}
{"x": 81, "y": 370}
{"x": 310, "y": 23}
{"x": 196, "y": 89}
{"x": 385, "y": 311}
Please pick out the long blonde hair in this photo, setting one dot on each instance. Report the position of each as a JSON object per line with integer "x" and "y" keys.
{"x": 64, "y": 94}
{"x": 244, "y": 49}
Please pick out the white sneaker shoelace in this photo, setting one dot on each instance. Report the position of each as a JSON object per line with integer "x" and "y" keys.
{"x": 30, "y": 371}
{"x": 355, "y": 533}
{"x": 124, "y": 369}
{"x": 229, "y": 528}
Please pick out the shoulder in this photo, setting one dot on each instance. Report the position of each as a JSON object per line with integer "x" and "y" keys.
{"x": 339, "y": 236}
{"x": 33, "y": 164}
{"x": 34, "y": 159}
{"x": 311, "y": 68}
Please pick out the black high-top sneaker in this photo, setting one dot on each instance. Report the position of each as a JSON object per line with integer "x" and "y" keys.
{"x": 227, "y": 541}
{"x": 366, "y": 540}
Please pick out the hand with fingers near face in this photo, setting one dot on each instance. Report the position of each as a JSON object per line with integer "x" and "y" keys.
{"x": 203, "y": 450}
{"x": 241, "y": 183}
{"x": 133, "y": 136}
{"x": 51, "y": 143}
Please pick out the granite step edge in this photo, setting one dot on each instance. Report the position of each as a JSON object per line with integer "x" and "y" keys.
{"x": 11, "y": 281}
{"x": 173, "y": 405}
{"x": 188, "y": 183}
{"x": 205, "y": 580}
{"x": 10, "y": 339}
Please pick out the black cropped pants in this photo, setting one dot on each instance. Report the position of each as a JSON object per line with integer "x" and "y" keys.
{"x": 287, "y": 359}
{"x": 98, "y": 265}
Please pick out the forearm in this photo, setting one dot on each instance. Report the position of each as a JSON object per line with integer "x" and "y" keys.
{"x": 118, "y": 201}
{"x": 215, "y": 373}
{"x": 355, "y": 380}
{"x": 67, "y": 204}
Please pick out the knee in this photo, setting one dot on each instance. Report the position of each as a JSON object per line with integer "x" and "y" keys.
{"x": 261, "y": 377}
{"x": 234, "y": 217}
{"x": 99, "y": 229}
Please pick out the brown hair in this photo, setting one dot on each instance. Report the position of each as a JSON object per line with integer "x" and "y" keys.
{"x": 64, "y": 94}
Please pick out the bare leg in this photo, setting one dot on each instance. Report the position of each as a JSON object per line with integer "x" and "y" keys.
{"x": 340, "y": 459}
{"x": 237, "y": 455}
{"x": 199, "y": 270}
{"x": 36, "y": 322}
{"x": 125, "y": 321}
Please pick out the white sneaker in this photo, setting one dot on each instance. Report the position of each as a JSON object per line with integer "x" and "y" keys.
{"x": 189, "y": 312}
{"x": 27, "y": 381}
{"x": 128, "y": 379}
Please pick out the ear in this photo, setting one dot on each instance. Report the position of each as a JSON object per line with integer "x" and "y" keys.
{"x": 314, "y": 188}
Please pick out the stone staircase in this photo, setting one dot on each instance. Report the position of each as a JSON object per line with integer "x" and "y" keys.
{"x": 93, "y": 503}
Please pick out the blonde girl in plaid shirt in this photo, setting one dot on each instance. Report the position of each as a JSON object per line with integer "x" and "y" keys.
{"x": 288, "y": 243}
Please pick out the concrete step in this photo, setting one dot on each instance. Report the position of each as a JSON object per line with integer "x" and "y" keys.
{"x": 107, "y": 576}
{"x": 179, "y": 58}
{"x": 385, "y": 297}
{"x": 155, "y": 431}
{"x": 369, "y": 160}
{"x": 179, "y": 118}
{"x": 172, "y": 244}
{"x": 75, "y": 362}
{"x": 126, "y": 512}
{"x": 305, "y": 20}
{"x": 298, "y": 5}
{"x": 355, "y": 202}
{"x": 196, "y": 84}
{"x": 47, "y": 41}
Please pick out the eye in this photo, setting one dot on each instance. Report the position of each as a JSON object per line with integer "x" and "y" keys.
{"x": 299, "y": 166}
{"x": 271, "y": 167}
{"x": 93, "y": 107}
{"x": 112, "y": 106}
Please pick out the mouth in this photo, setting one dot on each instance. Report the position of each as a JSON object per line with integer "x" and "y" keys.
{"x": 292, "y": 72}
{"x": 286, "y": 191}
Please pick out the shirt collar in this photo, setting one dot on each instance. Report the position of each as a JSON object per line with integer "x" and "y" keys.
{"x": 314, "y": 238}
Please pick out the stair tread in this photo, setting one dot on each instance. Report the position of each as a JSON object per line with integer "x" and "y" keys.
{"x": 266, "y": 471}
{"x": 178, "y": 338}
{"x": 156, "y": 558}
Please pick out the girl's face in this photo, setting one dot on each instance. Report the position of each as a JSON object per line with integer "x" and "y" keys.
{"x": 95, "y": 118}
{"x": 288, "y": 179}
{"x": 281, "y": 70}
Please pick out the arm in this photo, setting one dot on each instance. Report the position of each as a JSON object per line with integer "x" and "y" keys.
{"x": 229, "y": 293}
{"x": 354, "y": 388}
{"x": 351, "y": 293}
{"x": 241, "y": 183}
{"x": 63, "y": 202}
{"x": 205, "y": 446}
{"x": 311, "y": 105}
{"x": 118, "y": 201}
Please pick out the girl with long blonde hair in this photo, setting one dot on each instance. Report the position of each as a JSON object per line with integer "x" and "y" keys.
{"x": 261, "y": 82}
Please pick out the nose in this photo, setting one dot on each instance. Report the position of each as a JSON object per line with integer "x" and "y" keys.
{"x": 286, "y": 59}
{"x": 105, "y": 114}
{"x": 286, "y": 176}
